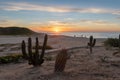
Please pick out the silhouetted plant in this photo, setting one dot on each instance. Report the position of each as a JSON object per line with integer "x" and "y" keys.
{"x": 91, "y": 43}
{"x": 34, "y": 58}
{"x": 61, "y": 60}
{"x": 119, "y": 42}
{"x": 113, "y": 42}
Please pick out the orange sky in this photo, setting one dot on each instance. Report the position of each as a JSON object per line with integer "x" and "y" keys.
{"x": 83, "y": 26}
{"x": 75, "y": 28}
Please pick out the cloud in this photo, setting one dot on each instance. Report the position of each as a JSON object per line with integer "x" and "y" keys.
{"x": 117, "y": 12}
{"x": 59, "y": 23}
{"x": 7, "y": 23}
{"x": 28, "y": 6}
{"x": 83, "y": 22}
{"x": 51, "y": 23}
{"x": 34, "y": 7}
{"x": 98, "y": 22}
{"x": 118, "y": 17}
{"x": 68, "y": 19}
{"x": 4, "y": 23}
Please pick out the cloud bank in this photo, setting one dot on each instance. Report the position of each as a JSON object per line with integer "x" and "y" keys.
{"x": 35, "y": 7}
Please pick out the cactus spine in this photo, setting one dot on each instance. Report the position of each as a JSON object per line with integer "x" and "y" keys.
{"x": 34, "y": 58}
{"x": 91, "y": 43}
{"x": 61, "y": 60}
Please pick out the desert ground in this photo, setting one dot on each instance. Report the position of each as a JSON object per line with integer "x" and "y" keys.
{"x": 100, "y": 65}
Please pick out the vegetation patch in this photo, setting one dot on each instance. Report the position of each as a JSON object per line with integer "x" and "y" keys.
{"x": 7, "y": 44}
{"x": 14, "y": 58}
{"x": 113, "y": 42}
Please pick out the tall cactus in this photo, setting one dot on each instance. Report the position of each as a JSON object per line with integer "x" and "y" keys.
{"x": 91, "y": 43}
{"x": 34, "y": 58}
{"x": 61, "y": 60}
{"x": 119, "y": 42}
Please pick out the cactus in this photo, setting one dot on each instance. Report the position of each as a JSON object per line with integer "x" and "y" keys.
{"x": 119, "y": 42}
{"x": 34, "y": 58}
{"x": 24, "y": 50}
{"x": 61, "y": 60}
{"x": 92, "y": 42}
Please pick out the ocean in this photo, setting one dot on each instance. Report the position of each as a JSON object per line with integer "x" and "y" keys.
{"x": 95, "y": 34}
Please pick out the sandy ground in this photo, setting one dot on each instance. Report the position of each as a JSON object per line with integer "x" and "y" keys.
{"x": 81, "y": 66}
{"x": 12, "y": 44}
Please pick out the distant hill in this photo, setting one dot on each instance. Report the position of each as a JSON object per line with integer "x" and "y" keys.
{"x": 16, "y": 31}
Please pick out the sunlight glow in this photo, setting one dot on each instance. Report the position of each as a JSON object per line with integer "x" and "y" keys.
{"x": 56, "y": 29}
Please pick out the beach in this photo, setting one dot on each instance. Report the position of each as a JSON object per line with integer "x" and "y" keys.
{"x": 100, "y": 65}
{"x": 12, "y": 44}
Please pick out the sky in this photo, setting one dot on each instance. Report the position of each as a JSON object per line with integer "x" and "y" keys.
{"x": 61, "y": 15}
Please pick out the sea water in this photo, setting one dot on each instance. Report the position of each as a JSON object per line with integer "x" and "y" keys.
{"x": 95, "y": 34}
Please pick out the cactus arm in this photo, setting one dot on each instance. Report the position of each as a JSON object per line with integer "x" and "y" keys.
{"x": 30, "y": 50}
{"x": 88, "y": 44}
{"x": 36, "y": 55}
{"x": 119, "y": 41}
{"x": 94, "y": 41}
{"x": 91, "y": 39}
{"x": 23, "y": 46}
{"x": 37, "y": 46}
{"x": 30, "y": 47}
{"x": 44, "y": 46}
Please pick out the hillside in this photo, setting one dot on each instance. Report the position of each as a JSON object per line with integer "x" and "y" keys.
{"x": 15, "y": 31}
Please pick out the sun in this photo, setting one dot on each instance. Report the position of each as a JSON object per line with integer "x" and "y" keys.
{"x": 57, "y": 30}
